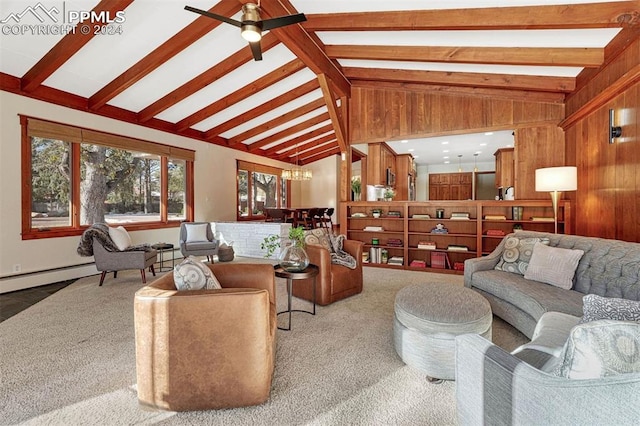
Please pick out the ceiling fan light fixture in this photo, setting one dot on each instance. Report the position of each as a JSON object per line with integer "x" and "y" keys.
{"x": 251, "y": 33}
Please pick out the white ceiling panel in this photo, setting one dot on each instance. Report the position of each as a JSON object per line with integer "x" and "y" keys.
{"x": 210, "y": 50}
{"x": 247, "y": 73}
{"x": 105, "y": 57}
{"x": 274, "y": 113}
{"x": 257, "y": 99}
{"x": 307, "y": 130}
{"x": 287, "y": 125}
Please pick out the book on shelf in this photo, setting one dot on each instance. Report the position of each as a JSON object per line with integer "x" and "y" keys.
{"x": 394, "y": 242}
{"x": 420, "y": 216}
{"x": 394, "y": 213}
{"x": 541, "y": 219}
{"x": 459, "y": 216}
{"x": 373, "y": 228}
{"x": 396, "y": 260}
{"x": 495, "y": 233}
{"x": 418, "y": 263}
{"x": 375, "y": 255}
{"x": 440, "y": 260}
{"x": 495, "y": 217}
{"x": 457, "y": 247}
{"x": 458, "y": 266}
{"x": 428, "y": 245}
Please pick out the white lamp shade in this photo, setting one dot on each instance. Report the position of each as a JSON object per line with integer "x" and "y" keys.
{"x": 557, "y": 179}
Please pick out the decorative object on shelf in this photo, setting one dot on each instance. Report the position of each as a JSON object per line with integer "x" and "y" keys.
{"x": 517, "y": 227}
{"x": 373, "y": 228}
{"x": 394, "y": 242}
{"x": 555, "y": 180}
{"x": 375, "y": 241}
{"x": 293, "y": 258}
{"x": 356, "y": 188}
{"x": 421, "y": 216}
{"x": 376, "y": 213}
{"x": 394, "y": 213}
{"x": 296, "y": 172}
{"x": 389, "y": 193}
{"x": 439, "y": 213}
{"x": 439, "y": 229}
{"x": 384, "y": 256}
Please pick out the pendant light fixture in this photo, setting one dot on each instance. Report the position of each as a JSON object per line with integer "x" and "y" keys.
{"x": 296, "y": 172}
{"x": 459, "y": 163}
{"x": 475, "y": 162}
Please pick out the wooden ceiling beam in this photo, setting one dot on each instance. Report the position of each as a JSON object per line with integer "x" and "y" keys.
{"x": 263, "y": 108}
{"x": 167, "y": 50}
{"x": 291, "y": 151}
{"x": 68, "y": 46}
{"x": 299, "y": 139}
{"x": 278, "y": 121}
{"x": 214, "y": 73}
{"x": 306, "y": 47}
{"x": 256, "y": 146}
{"x": 566, "y": 57}
{"x": 329, "y": 99}
{"x": 512, "y": 81}
{"x": 571, "y": 16}
{"x": 250, "y": 89}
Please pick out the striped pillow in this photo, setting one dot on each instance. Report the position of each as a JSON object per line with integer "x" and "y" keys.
{"x": 553, "y": 265}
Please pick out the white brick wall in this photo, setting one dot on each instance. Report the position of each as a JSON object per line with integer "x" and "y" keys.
{"x": 247, "y": 236}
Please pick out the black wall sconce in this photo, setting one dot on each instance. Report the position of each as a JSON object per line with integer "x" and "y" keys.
{"x": 614, "y": 131}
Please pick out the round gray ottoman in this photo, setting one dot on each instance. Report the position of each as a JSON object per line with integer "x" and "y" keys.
{"x": 428, "y": 317}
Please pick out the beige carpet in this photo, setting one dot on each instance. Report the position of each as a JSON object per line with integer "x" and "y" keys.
{"x": 70, "y": 360}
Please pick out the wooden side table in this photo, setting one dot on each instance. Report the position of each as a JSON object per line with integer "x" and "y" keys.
{"x": 161, "y": 248}
{"x": 310, "y": 271}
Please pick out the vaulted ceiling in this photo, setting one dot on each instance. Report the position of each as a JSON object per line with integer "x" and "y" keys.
{"x": 167, "y": 68}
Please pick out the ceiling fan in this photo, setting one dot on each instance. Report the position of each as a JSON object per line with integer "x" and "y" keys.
{"x": 251, "y": 26}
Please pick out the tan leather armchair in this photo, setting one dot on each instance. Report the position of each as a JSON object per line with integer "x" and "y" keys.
{"x": 207, "y": 349}
{"x": 335, "y": 282}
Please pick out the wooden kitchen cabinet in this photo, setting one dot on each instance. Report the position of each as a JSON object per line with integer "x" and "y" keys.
{"x": 504, "y": 167}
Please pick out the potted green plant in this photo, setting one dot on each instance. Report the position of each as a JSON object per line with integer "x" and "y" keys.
{"x": 389, "y": 193}
{"x": 293, "y": 257}
{"x": 356, "y": 188}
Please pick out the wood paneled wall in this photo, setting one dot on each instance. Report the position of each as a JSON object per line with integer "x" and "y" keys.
{"x": 383, "y": 114}
{"x": 608, "y": 196}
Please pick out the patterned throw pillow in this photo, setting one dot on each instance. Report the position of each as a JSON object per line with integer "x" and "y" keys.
{"x": 553, "y": 265}
{"x": 599, "y": 349}
{"x": 318, "y": 237}
{"x": 596, "y": 308}
{"x": 192, "y": 274}
{"x": 517, "y": 254}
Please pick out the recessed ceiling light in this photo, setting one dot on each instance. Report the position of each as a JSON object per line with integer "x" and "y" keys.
{"x": 445, "y": 142}
{"x": 416, "y": 156}
{"x": 447, "y": 162}
{"x": 445, "y": 157}
{"x": 483, "y": 144}
{"x": 411, "y": 150}
{"x": 478, "y": 152}
{"x": 488, "y": 133}
{"x": 445, "y": 150}
{"x": 404, "y": 141}
{"x": 509, "y": 146}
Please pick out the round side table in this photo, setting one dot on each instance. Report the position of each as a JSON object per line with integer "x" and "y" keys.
{"x": 310, "y": 271}
{"x": 161, "y": 248}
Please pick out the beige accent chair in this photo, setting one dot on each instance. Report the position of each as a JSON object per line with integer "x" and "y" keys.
{"x": 207, "y": 349}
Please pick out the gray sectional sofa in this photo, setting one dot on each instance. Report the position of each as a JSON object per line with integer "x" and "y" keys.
{"x": 567, "y": 373}
{"x": 608, "y": 268}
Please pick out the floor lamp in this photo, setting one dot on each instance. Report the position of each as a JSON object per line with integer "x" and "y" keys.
{"x": 555, "y": 180}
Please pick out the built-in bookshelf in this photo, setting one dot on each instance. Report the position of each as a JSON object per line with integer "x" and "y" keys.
{"x": 439, "y": 236}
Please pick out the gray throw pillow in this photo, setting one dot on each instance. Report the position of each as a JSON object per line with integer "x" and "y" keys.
{"x": 192, "y": 274}
{"x": 517, "y": 254}
{"x": 599, "y": 349}
{"x": 553, "y": 265}
{"x": 596, "y": 308}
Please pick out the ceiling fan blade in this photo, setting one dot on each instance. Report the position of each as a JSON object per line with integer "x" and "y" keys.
{"x": 214, "y": 16}
{"x": 269, "y": 24}
{"x": 256, "y": 50}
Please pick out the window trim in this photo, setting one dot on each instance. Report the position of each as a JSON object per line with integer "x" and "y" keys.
{"x": 32, "y": 126}
{"x": 260, "y": 168}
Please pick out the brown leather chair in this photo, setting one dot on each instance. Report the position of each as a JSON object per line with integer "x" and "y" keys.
{"x": 207, "y": 349}
{"x": 335, "y": 282}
